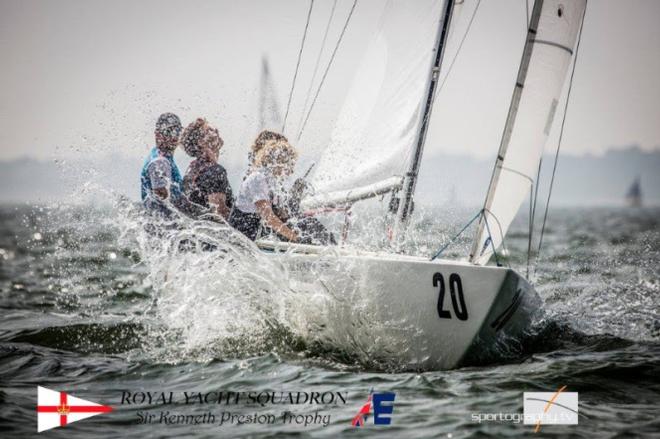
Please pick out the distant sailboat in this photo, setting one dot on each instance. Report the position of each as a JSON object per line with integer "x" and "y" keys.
{"x": 269, "y": 114}
{"x": 634, "y": 195}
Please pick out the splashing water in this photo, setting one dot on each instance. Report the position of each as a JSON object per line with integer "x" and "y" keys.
{"x": 76, "y": 314}
{"x": 205, "y": 292}
{"x": 214, "y": 293}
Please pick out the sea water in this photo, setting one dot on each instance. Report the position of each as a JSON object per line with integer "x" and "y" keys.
{"x": 216, "y": 339}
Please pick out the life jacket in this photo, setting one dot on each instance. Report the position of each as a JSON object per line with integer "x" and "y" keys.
{"x": 176, "y": 182}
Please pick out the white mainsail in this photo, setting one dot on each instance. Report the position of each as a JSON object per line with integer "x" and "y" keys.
{"x": 554, "y": 27}
{"x": 380, "y": 119}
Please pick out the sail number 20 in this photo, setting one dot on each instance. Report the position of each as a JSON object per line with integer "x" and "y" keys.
{"x": 457, "y": 299}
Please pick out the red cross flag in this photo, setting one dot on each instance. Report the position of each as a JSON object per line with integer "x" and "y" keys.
{"x": 57, "y": 409}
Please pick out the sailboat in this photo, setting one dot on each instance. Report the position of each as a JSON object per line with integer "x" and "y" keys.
{"x": 269, "y": 114}
{"x": 634, "y": 194}
{"x": 426, "y": 312}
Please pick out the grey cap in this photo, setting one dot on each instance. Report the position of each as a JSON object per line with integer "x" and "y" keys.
{"x": 169, "y": 124}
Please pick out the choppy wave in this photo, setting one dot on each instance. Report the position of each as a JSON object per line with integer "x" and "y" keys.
{"x": 89, "y": 296}
{"x": 182, "y": 301}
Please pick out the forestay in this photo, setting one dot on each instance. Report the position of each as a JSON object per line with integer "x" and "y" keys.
{"x": 554, "y": 27}
{"x": 376, "y": 129}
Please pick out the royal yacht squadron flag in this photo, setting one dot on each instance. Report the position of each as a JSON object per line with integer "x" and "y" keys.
{"x": 57, "y": 409}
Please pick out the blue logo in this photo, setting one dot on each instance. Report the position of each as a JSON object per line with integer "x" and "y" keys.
{"x": 383, "y": 409}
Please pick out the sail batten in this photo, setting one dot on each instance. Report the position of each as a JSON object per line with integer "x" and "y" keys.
{"x": 548, "y": 51}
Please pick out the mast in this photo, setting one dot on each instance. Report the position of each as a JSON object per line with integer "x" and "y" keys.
{"x": 268, "y": 106}
{"x": 510, "y": 120}
{"x": 406, "y": 203}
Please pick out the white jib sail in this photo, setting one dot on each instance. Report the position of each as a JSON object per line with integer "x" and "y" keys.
{"x": 550, "y": 51}
{"x": 378, "y": 123}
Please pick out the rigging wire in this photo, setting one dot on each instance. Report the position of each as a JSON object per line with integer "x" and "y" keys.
{"x": 318, "y": 63}
{"x": 532, "y": 216}
{"x": 460, "y": 46}
{"x": 451, "y": 64}
{"x": 526, "y": 13}
{"x": 451, "y": 241}
{"x": 492, "y": 244}
{"x": 437, "y": 92}
{"x": 561, "y": 132}
{"x": 327, "y": 69}
{"x": 295, "y": 75}
{"x": 530, "y": 226}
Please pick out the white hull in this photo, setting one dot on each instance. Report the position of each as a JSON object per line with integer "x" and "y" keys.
{"x": 394, "y": 303}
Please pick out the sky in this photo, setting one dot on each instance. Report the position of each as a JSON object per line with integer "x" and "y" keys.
{"x": 90, "y": 77}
